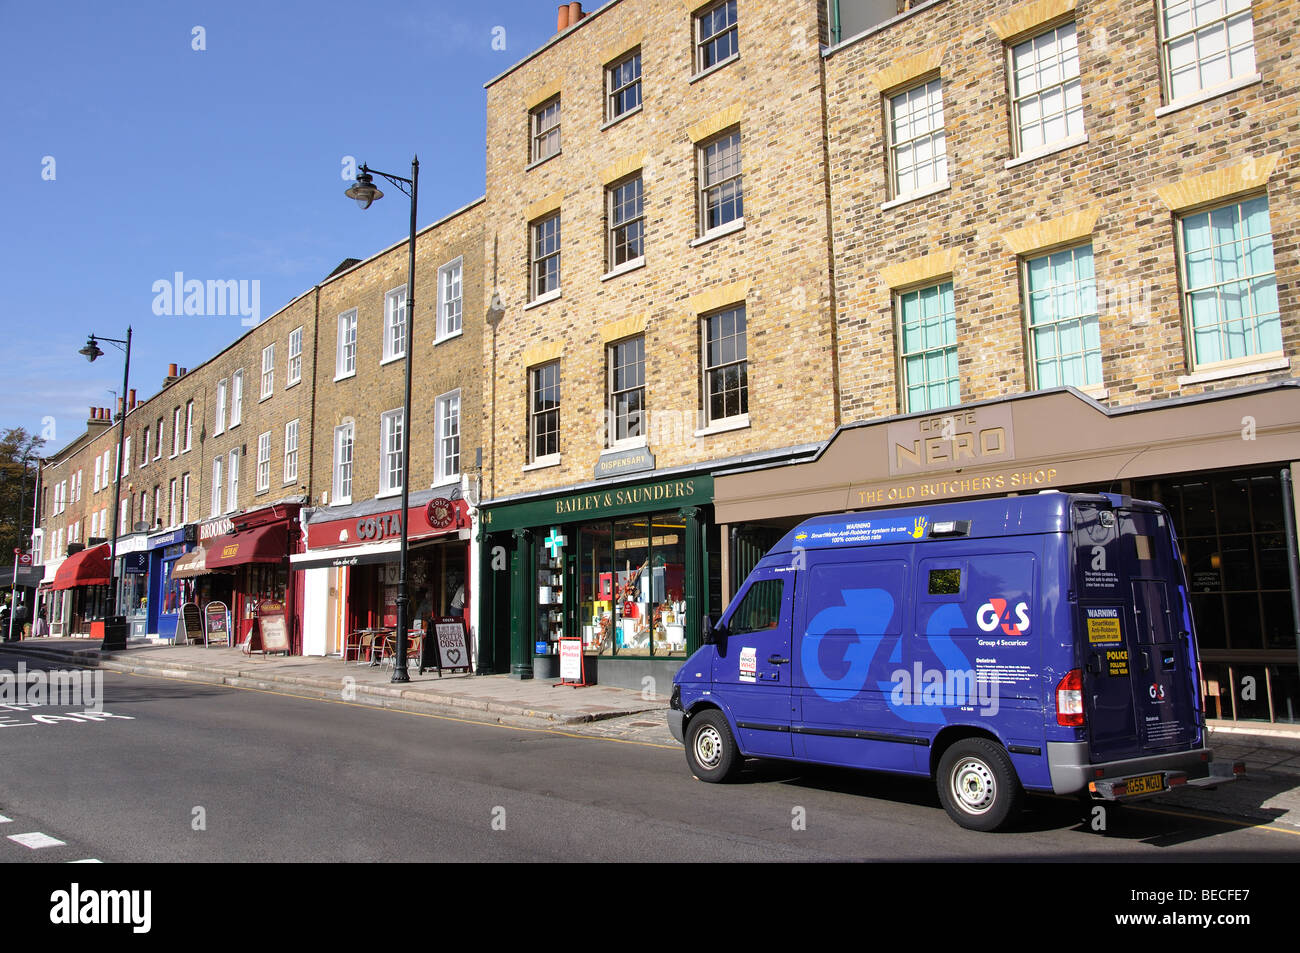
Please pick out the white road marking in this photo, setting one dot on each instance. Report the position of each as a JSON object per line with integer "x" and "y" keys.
{"x": 6, "y": 820}
{"x": 36, "y": 840}
{"x": 89, "y": 860}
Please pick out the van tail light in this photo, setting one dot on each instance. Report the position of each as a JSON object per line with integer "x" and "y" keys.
{"x": 1069, "y": 700}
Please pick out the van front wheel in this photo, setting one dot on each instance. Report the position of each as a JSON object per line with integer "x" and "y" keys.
{"x": 978, "y": 784}
{"x": 710, "y": 748}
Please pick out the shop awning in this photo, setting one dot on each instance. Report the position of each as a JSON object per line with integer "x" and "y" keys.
{"x": 86, "y": 568}
{"x": 262, "y": 544}
{"x": 374, "y": 553}
{"x": 193, "y": 563}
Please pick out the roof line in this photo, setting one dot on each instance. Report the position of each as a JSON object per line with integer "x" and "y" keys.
{"x": 551, "y": 42}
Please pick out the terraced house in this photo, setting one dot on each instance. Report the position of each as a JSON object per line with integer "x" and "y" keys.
{"x": 656, "y": 200}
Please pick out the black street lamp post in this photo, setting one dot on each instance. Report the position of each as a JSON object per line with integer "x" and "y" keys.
{"x": 365, "y": 194}
{"x": 115, "y": 624}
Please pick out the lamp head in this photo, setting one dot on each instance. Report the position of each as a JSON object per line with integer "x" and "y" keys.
{"x": 91, "y": 351}
{"x": 363, "y": 192}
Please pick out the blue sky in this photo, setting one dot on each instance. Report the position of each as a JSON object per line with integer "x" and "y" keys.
{"x": 220, "y": 163}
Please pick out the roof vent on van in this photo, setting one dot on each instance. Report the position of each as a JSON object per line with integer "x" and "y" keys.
{"x": 950, "y": 528}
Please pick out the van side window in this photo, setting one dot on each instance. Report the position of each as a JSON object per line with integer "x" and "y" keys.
{"x": 945, "y": 582}
{"x": 760, "y": 609}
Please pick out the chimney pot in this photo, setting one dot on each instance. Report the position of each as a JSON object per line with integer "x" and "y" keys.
{"x": 575, "y": 12}
{"x": 562, "y": 18}
{"x": 171, "y": 370}
{"x": 132, "y": 401}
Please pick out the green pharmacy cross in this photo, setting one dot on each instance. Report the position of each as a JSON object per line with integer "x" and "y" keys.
{"x": 555, "y": 542}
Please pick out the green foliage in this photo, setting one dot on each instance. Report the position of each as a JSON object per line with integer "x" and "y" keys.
{"x": 17, "y": 482}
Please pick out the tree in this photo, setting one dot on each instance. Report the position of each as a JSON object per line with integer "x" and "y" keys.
{"x": 19, "y": 460}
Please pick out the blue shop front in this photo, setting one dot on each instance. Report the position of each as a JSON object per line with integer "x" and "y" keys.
{"x": 167, "y": 594}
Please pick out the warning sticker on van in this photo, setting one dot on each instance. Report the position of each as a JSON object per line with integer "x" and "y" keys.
{"x": 871, "y": 531}
{"x": 1103, "y": 625}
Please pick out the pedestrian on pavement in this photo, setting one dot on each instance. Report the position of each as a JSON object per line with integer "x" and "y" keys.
{"x": 40, "y": 627}
{"x": 4, "y": 621}
{"x": 21, "y": 616}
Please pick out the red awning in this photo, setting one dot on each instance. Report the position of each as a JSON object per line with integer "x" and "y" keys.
{"x": 86, "y": 568}
{"x": 263, "y": 544}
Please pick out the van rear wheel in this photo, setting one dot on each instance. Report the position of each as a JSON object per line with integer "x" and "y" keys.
{"x": 710, "y": 748}
{"x": 978, "y": 784}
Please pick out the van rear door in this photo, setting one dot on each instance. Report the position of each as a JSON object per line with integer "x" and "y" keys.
{"x": 1139, "y": 667}
{"x": 1164, "y": 676}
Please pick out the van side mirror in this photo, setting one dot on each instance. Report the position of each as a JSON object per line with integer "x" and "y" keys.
{"x": 711, "y": 634}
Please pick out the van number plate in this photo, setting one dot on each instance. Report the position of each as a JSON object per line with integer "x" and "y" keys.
{"x": 1147, "y": 784}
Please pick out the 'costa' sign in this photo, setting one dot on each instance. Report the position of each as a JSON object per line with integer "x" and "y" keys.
{"x": 379, "y": 527}
{"x": 440, "y": 512}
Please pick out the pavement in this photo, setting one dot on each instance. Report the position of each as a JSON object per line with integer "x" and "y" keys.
{"x": 1270, "y": 794}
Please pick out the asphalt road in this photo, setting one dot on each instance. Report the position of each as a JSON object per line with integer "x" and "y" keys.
{"x": 190, "y": 772}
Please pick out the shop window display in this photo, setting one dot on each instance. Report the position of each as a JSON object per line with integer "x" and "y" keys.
{"x": 631, "y": 581}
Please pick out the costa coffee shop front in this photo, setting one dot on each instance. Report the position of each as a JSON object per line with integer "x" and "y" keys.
{"x": 350, "y": 568}
{"x": 1214, "y": 461}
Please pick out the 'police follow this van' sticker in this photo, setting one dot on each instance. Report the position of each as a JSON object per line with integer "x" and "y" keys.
{"x": 1103, "y": 625}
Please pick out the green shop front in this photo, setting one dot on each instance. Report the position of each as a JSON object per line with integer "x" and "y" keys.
{"x": 625, "y": 567}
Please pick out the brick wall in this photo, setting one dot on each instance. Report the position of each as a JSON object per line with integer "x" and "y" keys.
{"x": 1131, "y": 158}
{"x": 440, "y": 365}
{"x": 776, "y": 266}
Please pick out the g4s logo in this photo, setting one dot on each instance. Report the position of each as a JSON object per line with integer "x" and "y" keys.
{"x": 995, "y": 612}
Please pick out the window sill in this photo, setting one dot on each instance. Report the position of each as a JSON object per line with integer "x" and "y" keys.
{"x": 623, "y": 269}
{"x": 293, "y": 383}
{"x": 345, "y": 501}
{"x": 543, "y": 299}
{"x": 1217, "y": 372}
{"x": 1207, "y": 94}
{"x": 1042, "y": 153}
{"x": 633, "y": 443}
{"x": 619, "y": 118}
{"x": 715, "y": 67}
{"x": 724, "y": 426}
{"x": 385, "y": 494}
{"x": 450, "y": 482}
{"x": 536, "y": 162}
{"x": 1096, "y": 393}
{"x": 343, "y": 377}
{"x": 734, "y": 225}
{"x": 448, "y": 337}
{"x": 541, "y": 463}
{"x": 265, "y": 397}
{"x": 234, "y": 425}
{"x": 392, "y": 360}
{"x": 935, "y": 189}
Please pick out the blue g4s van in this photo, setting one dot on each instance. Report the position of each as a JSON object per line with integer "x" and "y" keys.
{"x": 1030, "y": 643}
